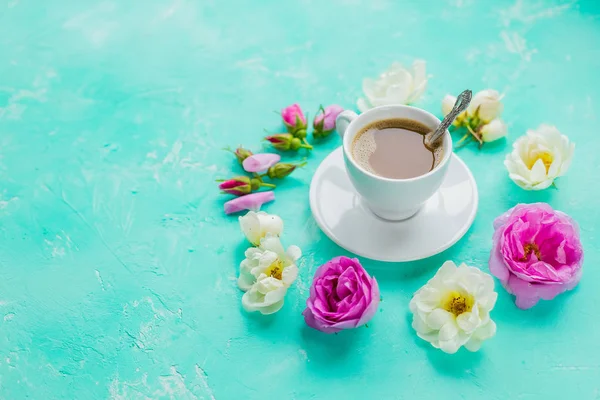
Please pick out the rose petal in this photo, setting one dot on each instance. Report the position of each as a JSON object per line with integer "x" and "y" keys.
{"x": 251, "y": 201}
{"x": 260, "y": 162}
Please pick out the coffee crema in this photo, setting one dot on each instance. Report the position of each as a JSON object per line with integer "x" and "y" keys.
{"x": 395, "y": 148}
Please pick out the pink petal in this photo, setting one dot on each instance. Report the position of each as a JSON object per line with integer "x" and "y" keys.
{"x": 260, "y": 162}
{"x": 249, "y": 202}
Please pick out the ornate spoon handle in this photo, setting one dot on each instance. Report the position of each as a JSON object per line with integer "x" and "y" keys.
{"x": 462, "y": 102}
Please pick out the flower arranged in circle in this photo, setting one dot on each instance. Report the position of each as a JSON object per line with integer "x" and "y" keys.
{"x": 539, "y": 157}
{"x": 453, "y": 309}
{"x": 266, "y": 274}
{"x": 397, "y": 85}
{"x": 536, "y": 253}
{"x": 324, "y": 122}
{"x": 256, "y": 225}
{"x": 481, "y": 119}
{"x": 342, "y": 296}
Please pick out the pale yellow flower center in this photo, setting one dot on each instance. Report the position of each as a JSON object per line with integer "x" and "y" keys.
{"x": 546, "y": 158}
{"x": 458, "y": 303}
{"x": 275, "y": 270}
{"x": 528, "y": 249}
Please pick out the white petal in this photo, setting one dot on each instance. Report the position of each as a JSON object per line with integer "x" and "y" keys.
{"x": 486, "y": 331}
{"x": 546, "y": 183}
{"x": 438, "y": 318}
{"x": 245, "y": 281}
{"x": 294, "y": 252}
{"x": 370, "y": 89}
{"x": 538, "y": 171}
{"x": 450, "y": 346}
{"x": 250, "y": 226}
{"x": 468, "y": 321}
{"x": 427, "y": 299}
{"x": 447, "y": 104}
{"x": 449, "y": 330}
{"x": 473, "y": 344}
{"x": 420, "y": 326}
{"x": 289, "y": 275}
{"x": 272, "y": 243}
{"x": 494, "y": 130}
{"x": 363, "y": 105}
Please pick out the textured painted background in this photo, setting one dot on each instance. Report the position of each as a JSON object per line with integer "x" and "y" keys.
{"x": 118, "y": 267}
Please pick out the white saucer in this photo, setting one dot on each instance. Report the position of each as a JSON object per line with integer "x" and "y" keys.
{"x": 342, "y": 215}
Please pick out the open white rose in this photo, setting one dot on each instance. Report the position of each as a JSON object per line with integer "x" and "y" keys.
{"x": 256, "y": 225}
{"x": 539, "y": 157}
{"x": 453, "y": 309}
{"x": 397, "y": 85}
{"x": 493, "y": 130}
{"x": 266, "y": 274}
{"x": 486, "y": 105}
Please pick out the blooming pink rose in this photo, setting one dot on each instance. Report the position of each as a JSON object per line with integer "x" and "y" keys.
{"x": 536, "y": 254}
{"x": 249, "y": 202}
{"x": 324, "y": 122}
{"x": 342, "y": 296}
{"x": 293, "y": 118}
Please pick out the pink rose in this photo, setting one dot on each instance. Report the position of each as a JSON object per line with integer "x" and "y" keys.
{"x": 342, "y": 296}
{"x": 324, "y": 122}
{"x": 536, "y": 254}
{"x": 294, "y": 119}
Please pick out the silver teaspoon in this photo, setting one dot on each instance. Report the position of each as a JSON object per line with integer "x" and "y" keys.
{"x": 462, "y": 102}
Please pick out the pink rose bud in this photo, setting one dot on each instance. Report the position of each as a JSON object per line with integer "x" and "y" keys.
{"x": 324, "y": 122}
{"x": 294, "y": 120}
{"x": 342, "y": 296}
{"x": 240, "y": 153}
{"x": 260, "y": 162}
{"x": 536, "y": 253}
{"x": 281, "y": 170}
{"x": 287, "y": 141}
{"x": 242, "y": 185}
{"x": 249, "y": 202}
{"x": 237, "y": 186}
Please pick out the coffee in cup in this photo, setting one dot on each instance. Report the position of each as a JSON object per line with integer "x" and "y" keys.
{"x": 395, "y": 148}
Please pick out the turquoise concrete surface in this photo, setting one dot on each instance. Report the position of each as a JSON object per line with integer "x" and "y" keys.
{"x": 118, "y": 267}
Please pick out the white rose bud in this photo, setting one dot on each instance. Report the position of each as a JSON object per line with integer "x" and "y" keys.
{"x": 486, "y": 105}
{"x": 493, "y": 130}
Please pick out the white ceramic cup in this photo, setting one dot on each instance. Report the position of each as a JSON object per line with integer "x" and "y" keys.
{"x": 391, "y": 199}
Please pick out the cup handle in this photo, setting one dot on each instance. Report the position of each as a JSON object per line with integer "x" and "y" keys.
{"x": 343, "y": 120}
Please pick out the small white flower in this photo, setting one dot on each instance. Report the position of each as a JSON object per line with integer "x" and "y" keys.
{"x": 493, "y": 130}
{"x": 447, "y": 104}
{"x": 397, "y": 85}
{"x": 256, "y": 225}
{"x": 453, "y": 308}
{"x": 539, "y": 157}
{"x": 486, "y": 105}
{"x": 266, "y": 274}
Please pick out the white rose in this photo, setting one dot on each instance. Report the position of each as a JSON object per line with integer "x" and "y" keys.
{"x": 486, "y": 104}
{"x": 397, "y": 85}
{"x": 539, "y": 157}
{"x": 266, "y": 274}
{"x": 256, "y": 225}
{"x": 447, "y": 104}
{"x": 453, "y": 309}
{"x": 493, "y": 130}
